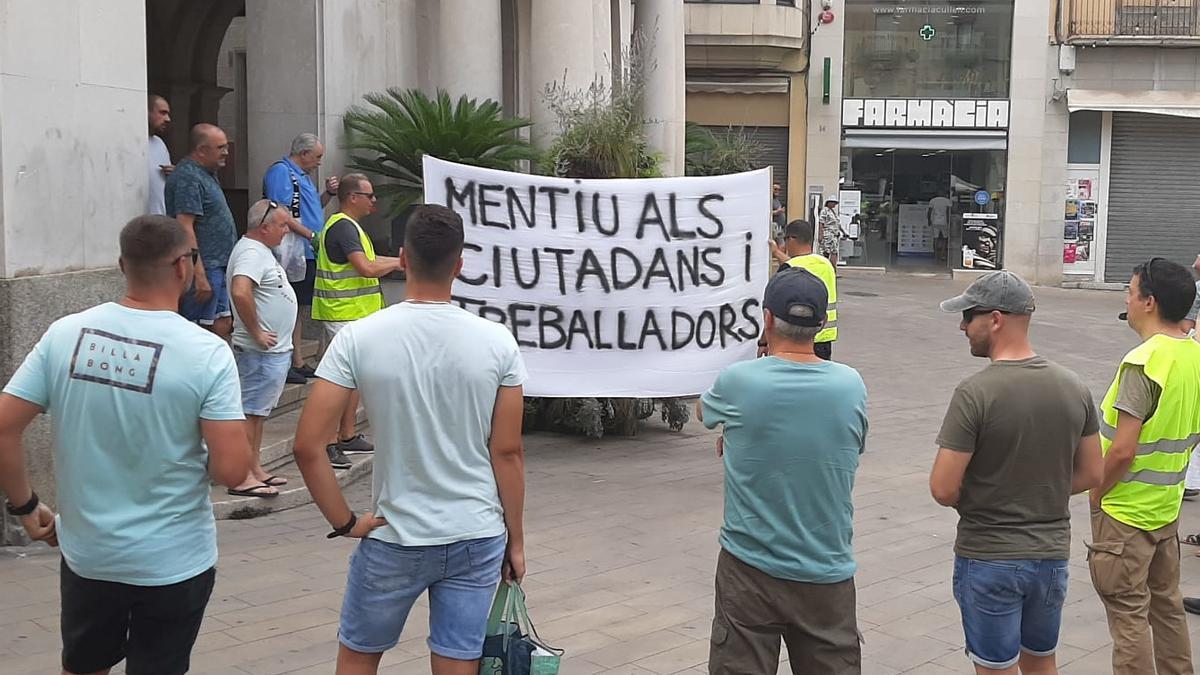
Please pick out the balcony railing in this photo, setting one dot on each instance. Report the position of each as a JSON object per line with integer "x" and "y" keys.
{"x": 1134, "y": 20}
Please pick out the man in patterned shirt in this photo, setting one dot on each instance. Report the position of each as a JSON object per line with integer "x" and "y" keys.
{"x": 831, "y": 229}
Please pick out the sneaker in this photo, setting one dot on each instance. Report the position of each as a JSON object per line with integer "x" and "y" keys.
{"x": 337, "y": 458}
{"x": 358, "y": 444}
{"x": 306, "y": 371}
{"x": 1191, "y": 605}
{"x": 1189, "y": 493}
{"x": 295, "y": 377}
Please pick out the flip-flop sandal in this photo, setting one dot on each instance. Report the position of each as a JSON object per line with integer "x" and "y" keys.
{"x": 254, "y": 491}
{"x": 1191, "y": 540}
{"x": 275, "y": 481}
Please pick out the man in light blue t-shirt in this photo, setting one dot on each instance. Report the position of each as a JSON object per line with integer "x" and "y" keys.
{"x": 794, "y": 427}
{"x": 443, "y": 389}
{"x": 134, "y": 391}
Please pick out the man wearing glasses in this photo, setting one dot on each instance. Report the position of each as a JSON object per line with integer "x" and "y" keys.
{"x": 1151, "y": 423}
{"x": 264, "y": 315}
{"x": 347, "y": 288}
{"x": 145, "y": 411}
{"x": 1019, "y": 438}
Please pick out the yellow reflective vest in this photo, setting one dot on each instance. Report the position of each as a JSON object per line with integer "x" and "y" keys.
{"x": 339, "y": 292}
{"x": 1149, "y": 495}
{"x": 820, "y": 266}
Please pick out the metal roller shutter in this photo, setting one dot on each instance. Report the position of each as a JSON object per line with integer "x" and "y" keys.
{"x": 1154, "y": 192}
{"x": 775, "y": 148}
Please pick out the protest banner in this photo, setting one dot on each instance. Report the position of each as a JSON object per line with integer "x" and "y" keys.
{"x": 620, "y": 287}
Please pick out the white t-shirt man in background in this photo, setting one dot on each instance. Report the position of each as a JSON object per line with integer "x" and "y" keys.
{"x": 264, "y": 316}
{"x": 443, "y": 389}
{"x": 159, "y": 156}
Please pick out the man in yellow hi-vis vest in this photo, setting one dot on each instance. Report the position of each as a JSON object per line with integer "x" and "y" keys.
{"x": 797, "y": 251}
{"x": 1151, "y": 423}
{"x": 347, "y": 288}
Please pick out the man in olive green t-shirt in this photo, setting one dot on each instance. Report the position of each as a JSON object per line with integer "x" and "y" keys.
{"x": 1020, "y": 437}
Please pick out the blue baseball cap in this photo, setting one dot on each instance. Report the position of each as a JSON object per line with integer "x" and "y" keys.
{"x": 796, "y": 288}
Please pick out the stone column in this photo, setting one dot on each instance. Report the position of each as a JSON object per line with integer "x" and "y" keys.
{"x": 561, "y": 50}
{"x": 469, "y": 59}
{"x": 1037, "y": 150}
{"x": 824, "y": 128}
{"x": 72, "y": 173}
{"x": 660, "y": 23}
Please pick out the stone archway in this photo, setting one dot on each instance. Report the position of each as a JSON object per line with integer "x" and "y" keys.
{"x": 183, "y": 41}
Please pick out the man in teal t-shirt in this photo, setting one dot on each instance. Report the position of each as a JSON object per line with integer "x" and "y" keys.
{"x": 135, "y": 393}
{"x": 794, "y": 427}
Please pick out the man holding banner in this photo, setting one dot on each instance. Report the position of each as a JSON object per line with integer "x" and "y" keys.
{"x": 786, "y": 568}
{"x": 798, "y": 252}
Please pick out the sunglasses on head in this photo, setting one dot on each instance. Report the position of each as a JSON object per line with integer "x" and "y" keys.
{"x": 271, "y": 206}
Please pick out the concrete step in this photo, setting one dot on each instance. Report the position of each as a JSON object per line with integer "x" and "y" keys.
{"x": 279, "y": 434}
{"x": 230, "y": 507}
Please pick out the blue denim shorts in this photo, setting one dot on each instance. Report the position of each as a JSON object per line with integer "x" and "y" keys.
{"x": 386, "y": 579}
{"x": 263, "y": 377}
{"x": 217, "y": 305}
{"x": 1009, "y": 607}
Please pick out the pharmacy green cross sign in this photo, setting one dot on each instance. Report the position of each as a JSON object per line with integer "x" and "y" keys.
{"x": 927, "y": 32}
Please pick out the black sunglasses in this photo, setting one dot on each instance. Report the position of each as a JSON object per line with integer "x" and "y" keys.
{"x": 968, "y": 315}
{"x": 270, "y": 207}
{"x": 1148, "y": 267}
{"x": 194, "y": 253}
{"x": 368, "y": 195}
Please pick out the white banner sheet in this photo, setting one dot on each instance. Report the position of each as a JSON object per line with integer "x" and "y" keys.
{"x": 624, "y": 287}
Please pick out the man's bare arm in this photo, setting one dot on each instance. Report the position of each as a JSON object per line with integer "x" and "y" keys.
{"x": 373, "y": 269}
{"x": 508, "y": 464}
{"x": 16, "y": 415}
{"x": 945, "y": 480}
{"x": 241, "y": 292}
{"x": 229, "y": 454}
{"x": 320, "y": 415}
{"x": 1089, "y": 465}
{"x": 1120, "y": 454}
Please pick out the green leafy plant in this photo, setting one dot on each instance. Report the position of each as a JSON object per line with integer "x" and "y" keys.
{"x": 601, "y": 128}
{"x": 715, "y": 153}
{"x": 602, "y": 135}
{"x": 389, "y": 137}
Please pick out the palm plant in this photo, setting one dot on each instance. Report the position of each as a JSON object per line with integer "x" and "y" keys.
{"x": 389, "y": 138}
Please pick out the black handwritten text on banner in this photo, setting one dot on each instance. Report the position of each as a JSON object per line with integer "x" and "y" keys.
{"x": 641, "y": 287}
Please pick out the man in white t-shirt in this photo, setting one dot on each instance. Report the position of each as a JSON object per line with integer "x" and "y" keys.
{"x": 442, "y": 387}
{"x": 264, "y": 315}
{"x": 160, "y": 157}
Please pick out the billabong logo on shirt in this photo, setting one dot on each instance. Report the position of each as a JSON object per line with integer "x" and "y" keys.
{"x": 105, "y": 358}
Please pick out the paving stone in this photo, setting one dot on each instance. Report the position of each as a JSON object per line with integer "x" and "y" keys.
{"x": 622, "y": 532}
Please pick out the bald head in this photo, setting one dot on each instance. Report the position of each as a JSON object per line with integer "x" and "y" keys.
{"x": 209, "y": 146}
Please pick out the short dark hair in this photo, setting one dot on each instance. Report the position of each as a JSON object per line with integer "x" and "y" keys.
{"x": 1170, "y": 283}
{"x": 800, "y": 230}
{"x": 147, "y": 242}
{"x": 153, "y": 99}
{"x": 433, "y": 242}
{"x": 350, "y": 183}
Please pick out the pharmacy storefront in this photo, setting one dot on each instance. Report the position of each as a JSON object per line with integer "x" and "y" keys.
{"x": 925, "y": 116}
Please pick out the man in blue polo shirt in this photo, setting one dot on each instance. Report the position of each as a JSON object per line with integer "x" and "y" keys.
{"x": 287, "y": 183}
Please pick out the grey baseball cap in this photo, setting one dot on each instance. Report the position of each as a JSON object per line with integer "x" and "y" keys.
{"x": 1000, "y": 290}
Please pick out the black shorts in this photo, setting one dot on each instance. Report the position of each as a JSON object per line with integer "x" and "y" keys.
{"x": 304, "y": 289}
{"x": 152, "y": 628}
{"x": 823, "y": 350}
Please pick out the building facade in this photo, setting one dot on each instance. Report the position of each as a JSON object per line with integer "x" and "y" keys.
{"x": 1030, "y": 135}
{"x": 73, "y": 124}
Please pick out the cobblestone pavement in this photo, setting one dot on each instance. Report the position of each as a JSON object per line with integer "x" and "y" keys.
{"x": 622, "y": 532}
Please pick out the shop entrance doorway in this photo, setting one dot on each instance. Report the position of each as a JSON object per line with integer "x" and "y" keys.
{"x": 912, "y": 202}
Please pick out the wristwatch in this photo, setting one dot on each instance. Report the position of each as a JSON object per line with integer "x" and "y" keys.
{"x": 24, "y": 510}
